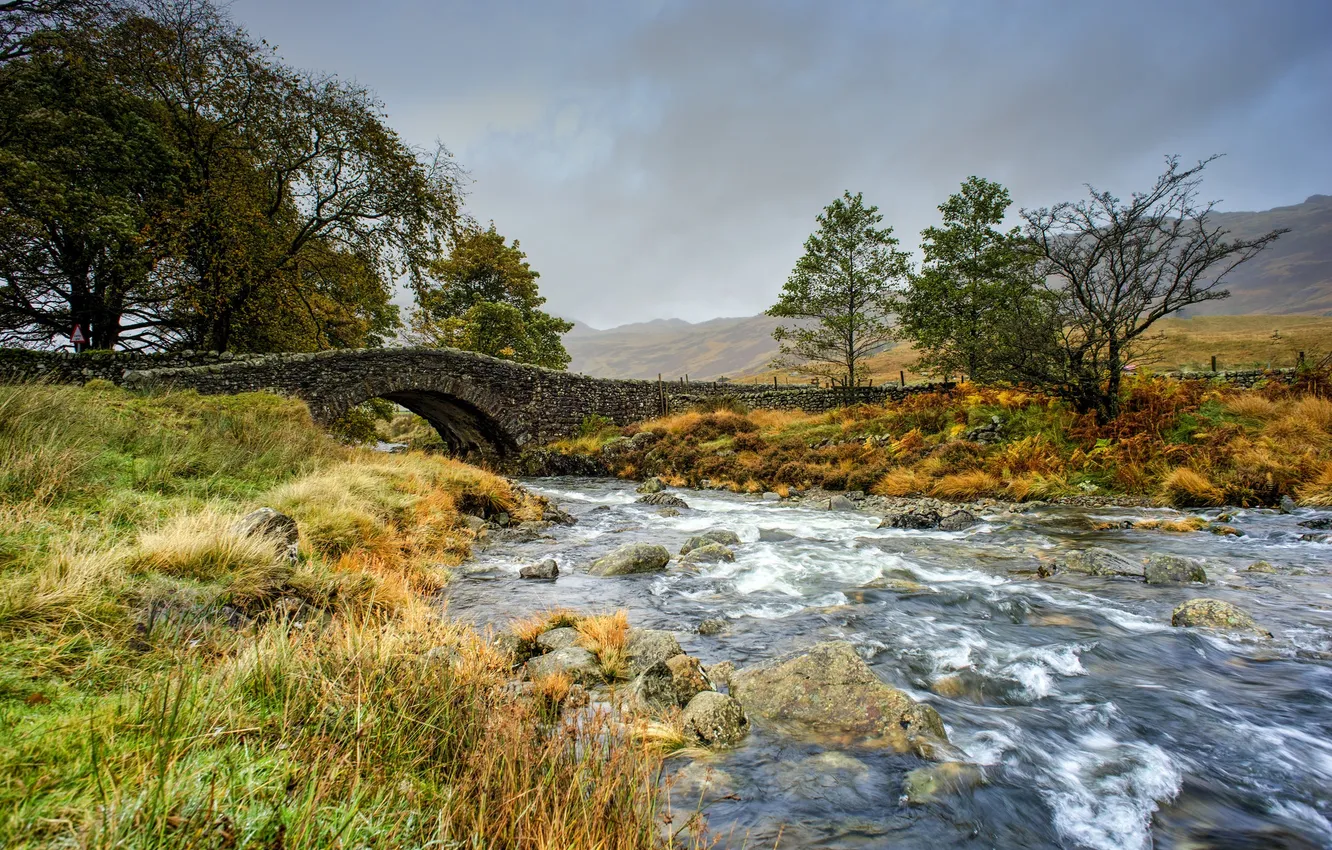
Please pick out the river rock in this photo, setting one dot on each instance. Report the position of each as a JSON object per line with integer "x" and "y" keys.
{"x": 916, "y": 520}
{"x": 713, "y": 626}
{"x": 580, "y": 664}
{"x": 721, "y": 673}
{"x": 546, "y": 569}
{"x": 646, "y": 647}
{"x": 1097, "y": 561}
{"x": 1215, "y": 614}
{"x": 715, "y": 720}
{"x": 836, "y": 503}
{"x": 652, "y": 485}
{"x": 1322, "y": 523}
{"x": 830, "y": 688}
{"x": 958, "y": 520}
{"x": 560, "y": 638}
{"x": 634, "y": 558}
{"x": 713, "y": 535}
{"x": 1172, "y": 569}
{"x": 653, "y": 690}
{"x": 769, "y": 496}
{"x": 277, "y": 526}
{"x": 1261, "y": 567}
{"x": 712, "y": 553}
{"x": 927, "y": 784}
{"x": 1287, "y": 505}
{"x": 512, "y": 648}
{"x": 687, "y": 677}
{"x": 663, "y": 500}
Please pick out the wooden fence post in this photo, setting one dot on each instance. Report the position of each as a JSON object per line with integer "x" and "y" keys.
{"x": 1213, "y": 363}
{"x": 902, "y": 375}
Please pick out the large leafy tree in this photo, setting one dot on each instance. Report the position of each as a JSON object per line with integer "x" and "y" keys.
{"x": 974, "y": 278}
{"x": 85, "y": 175}
{"x": 1109, "y": 269}
{"x": 483, "y": 297}
{"x": 840, "y": 293}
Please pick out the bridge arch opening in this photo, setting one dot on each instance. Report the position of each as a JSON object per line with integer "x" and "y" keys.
{"x": 466, "y": 429}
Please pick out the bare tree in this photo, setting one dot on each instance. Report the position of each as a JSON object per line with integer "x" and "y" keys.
{"x": 1111, "y": 269}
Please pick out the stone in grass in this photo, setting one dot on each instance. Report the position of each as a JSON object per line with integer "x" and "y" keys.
{"x": 663, "y": 500}
{"x": 546, "y": 569}
{"x": 634, "y": 558}
{"x": 714, "y": 720}
{"x": 580, "y": 664}
{"x": 1172, "y": 569}
{"x": 1215, "y": 614}
{"x": 560, "y": 638}
{"x": 280, "y": 528}
{"x": 828, "y": 688}
{"x": 713, "y": 553}
{"x": 646, "y": 647}
{"x": 715, "y": 535}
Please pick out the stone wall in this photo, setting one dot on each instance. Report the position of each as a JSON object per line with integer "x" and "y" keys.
{"x": 475, "y": 402}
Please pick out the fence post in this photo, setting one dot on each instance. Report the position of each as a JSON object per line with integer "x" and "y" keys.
{"x": 1213, "y": 364}
{"x": 902, "y": 375}
{"x": 774, "y": 382}
{"x": 661, "y": 393}
{"x": 1301, "y": 361}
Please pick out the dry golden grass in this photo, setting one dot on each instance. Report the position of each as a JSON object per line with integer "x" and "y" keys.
{"x": 202, "y": 547}
{"x": 1033, "y": 486}
{"x": 1318, "y": 492}
{"x": 533, "y": 626}
{"x": 1187, "y": 488}
{"x": 1251, "y": 406}
{"x": 901, "y": 481}
{"x": 1176, "y": 526}
{"x": 964, "y": 486}
{"x": 607, "y": 637}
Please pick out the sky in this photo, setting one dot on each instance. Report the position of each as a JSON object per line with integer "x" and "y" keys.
{"x": 667, "y": 159}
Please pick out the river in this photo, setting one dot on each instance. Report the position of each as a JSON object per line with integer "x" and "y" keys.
{"x": 1096, "y": 723}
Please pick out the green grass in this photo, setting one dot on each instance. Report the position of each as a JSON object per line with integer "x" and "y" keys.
{"x": 166, "y": 683}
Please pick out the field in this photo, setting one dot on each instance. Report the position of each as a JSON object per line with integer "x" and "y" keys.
{"x": 169, "y": 681}
{"x": 1237, "y": 342}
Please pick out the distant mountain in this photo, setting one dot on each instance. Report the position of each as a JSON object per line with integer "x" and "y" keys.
{"x": 1294, "y": 275}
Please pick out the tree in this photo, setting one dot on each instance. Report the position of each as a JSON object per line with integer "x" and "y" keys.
{"x": 85, "y": 173}
{"x": 483, "y": 297}
{"x": 841, "y": 293}
{"x": 1111, "y": 269}
{"x": 972, "y": 278}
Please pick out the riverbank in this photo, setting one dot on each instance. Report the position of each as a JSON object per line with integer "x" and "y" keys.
{"x": 1178, "y": 443}
{"x": 179, "y": 669}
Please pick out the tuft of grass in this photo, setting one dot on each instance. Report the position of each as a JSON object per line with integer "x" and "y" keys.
{"x": 1187, "y": 488}
{"x": 900, "y": 481}
{"x": 202, "y": 547}
{"x": 1318, "y": 492}
{"x": 964, "y": 486}
{"x": 607, "y": 637}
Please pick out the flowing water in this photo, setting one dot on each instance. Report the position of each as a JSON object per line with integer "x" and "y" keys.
{"x": 1097, "y": 724}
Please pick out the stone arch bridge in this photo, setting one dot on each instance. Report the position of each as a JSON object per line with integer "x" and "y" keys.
{"x": 478, "y": 404}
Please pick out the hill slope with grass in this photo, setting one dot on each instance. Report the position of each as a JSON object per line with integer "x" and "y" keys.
{"x": 167, "y": 680}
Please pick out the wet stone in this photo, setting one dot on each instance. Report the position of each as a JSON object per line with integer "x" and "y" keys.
{"x": 646, "y": 647}
{"x": 712, "y": 553}
{"x": 1172, "y": 569}
{"x": 631, "y": 559}
{"x": 714, "y": 720}
{"x": 546, "y": 569}
{"x": 713, "y": 626}
{"x": 1215, "y": 614}
{"x": 580, "y": 664}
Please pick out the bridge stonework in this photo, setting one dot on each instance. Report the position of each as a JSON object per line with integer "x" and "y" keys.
{"x": 474, "y": 401}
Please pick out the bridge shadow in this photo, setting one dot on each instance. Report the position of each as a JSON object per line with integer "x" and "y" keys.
{"x": 467, "y": 430}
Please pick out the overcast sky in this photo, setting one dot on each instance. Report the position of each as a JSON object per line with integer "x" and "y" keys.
{"x": 661, "y": 159}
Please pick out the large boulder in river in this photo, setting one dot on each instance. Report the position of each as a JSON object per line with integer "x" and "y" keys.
{"x": 546, "y": 569}
{"x": 634, "y": 558}
{"x": 829, "y": 688}
{"x": 1099, "y": 562}
{"x": 663, "y": 500}
{"x": 714, "y": 720}
{"x": 652, "y": 485}
{"x": 916, "y": 520}
{"x": 1172, "y": 569}
{"x": 1215, "y": 614}
{"x": 958, "y": 520}
{"x": 715, "y": 535}
{"x": 713, "y": 553}
{"x": 670, "y": 684}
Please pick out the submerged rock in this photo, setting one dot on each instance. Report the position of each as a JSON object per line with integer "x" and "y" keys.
{"x": 663, "y": 500}
{"x": 1323, "y": 523}
{"x": 1172, "y": 569}
{"x": 580, "y": 664}
{"x": 712, "y": 553}
{"x": 714, "y": 535}
{"x": 713, "y": 626}
{"x": 1215, "y": 614}
{"x": 1097, "y": 561}
{"x": 830, "y": 688}
{"x": 927, "y": 784}
{"x": 1261, "y": 567}
{"x": 272, "y": 524}
{"x": 715, "y": 720}
{"x": 634, "y": 558}
{"x": 546, "y": 569}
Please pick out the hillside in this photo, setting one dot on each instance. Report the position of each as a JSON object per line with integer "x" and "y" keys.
{"x": 1291, "y": 283}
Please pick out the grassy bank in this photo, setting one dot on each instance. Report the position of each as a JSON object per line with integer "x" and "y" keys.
{"x": 165, "y": 682}
{"x": 1186, "y": 443}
